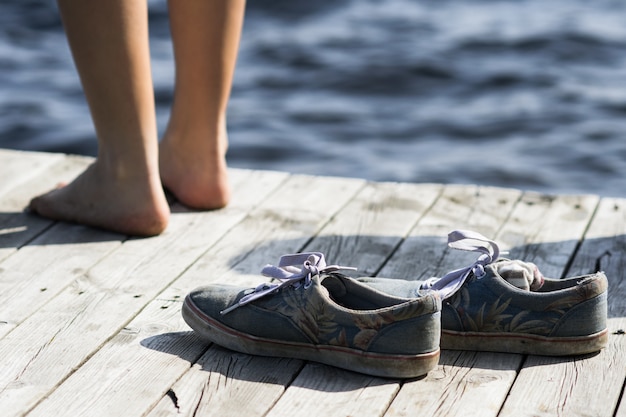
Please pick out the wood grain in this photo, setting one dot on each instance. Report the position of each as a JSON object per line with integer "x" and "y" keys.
{"x": 90, "y": 321}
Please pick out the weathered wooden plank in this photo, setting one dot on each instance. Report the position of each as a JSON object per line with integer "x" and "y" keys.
{"x": 552, "y": 386}
{"x": 279, "y": 218}
{"x": 445, "y": 391}
{"x": 47, "y": 347}
{"x": 533, "y": 221}
{"x": 368, "y": 230}
{"x": 604, "y": 248}
{"x": 17, "y": 167}
{"x": 155, "y": 338}
{"x": 17, "y": 227}
{"x": 564, "y": 386}
{"x": 41, "y": 270}
{"x": 327, "y": 391}
{"x": 547, "y": 229}
{"x": 227, "y": 383}
{"x": 44, "y": 179}
{"x": 483, "y": 209}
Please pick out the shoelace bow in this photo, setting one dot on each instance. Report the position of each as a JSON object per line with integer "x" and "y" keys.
{"x": 466, "y": 240}
{"x": 296, "y": 270}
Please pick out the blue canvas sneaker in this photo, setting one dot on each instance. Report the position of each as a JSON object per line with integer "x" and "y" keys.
{"x": 507, "y": 305}
{"x": 315, "y": 313}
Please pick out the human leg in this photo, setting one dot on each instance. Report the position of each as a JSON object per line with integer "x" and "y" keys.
{"x": 121, "y": 190}
{"x": 192, "y": 155}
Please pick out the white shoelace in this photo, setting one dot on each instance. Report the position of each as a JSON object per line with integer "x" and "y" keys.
{"x": 466, "y": 240}
{"x": 298, "y": 269}
{"x": 295, "y": 270}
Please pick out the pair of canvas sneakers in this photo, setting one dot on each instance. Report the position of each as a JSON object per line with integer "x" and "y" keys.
{"x": 395, "y": 328}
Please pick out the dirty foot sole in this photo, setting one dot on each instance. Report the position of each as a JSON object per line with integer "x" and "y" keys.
{"x": 524, "y": 343}
{"x": 370, "y": 363}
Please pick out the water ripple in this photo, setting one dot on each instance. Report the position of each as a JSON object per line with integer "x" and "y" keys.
{"x": 527, "y": 94}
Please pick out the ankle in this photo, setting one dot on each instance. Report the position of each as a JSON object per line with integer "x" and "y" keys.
{"x": 208, "y": 136}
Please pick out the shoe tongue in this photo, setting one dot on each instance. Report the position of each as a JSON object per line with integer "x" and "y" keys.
{"x": 523, "y": 275}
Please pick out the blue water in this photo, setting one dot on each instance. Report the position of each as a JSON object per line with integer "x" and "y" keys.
{"x": 528, "y": 94}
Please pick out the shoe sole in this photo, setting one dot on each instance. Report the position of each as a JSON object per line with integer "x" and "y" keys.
{"x": 370, "y": 363}
{"x": 525, "y": 344}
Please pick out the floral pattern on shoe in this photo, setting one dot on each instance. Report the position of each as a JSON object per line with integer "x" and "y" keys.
{"x": 319, "y": 321}
{"x": 498, "y": 314}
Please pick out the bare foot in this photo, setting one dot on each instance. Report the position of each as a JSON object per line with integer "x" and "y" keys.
{"x": 195, "y": 172}
{"x": 133, "y": 206}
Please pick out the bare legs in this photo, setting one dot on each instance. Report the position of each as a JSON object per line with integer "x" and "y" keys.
{"x": 122, "y": 190}
{"x": 192, "y": 158}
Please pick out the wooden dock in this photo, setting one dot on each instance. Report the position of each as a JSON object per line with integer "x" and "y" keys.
{"x": 90, "y": 321}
